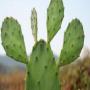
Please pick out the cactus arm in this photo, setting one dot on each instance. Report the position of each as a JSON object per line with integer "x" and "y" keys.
{"x": 55, "y": 14}
{"x": 42, "y": 71}
{"x": 34, "y": 24}
{"x": 73, "y": 42}
{"x": 12, "y": 40}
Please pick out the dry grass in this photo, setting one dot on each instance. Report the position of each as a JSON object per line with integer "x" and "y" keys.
{"x": 14, "y": 81}
{"x": 71, "y": 73}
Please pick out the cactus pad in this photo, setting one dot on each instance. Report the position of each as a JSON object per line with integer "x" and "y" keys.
{"x": 42, "y": 71}
{"x": 34, "y": 24}
{"x": 12, "y": 40}
{"x": 73, "y": 42}
{"x": 55, "y": 14}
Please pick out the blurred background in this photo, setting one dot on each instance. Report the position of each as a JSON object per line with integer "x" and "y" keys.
{"x": 21, "y": 10}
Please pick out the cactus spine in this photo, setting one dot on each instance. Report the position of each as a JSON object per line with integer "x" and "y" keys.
{"x": 42, "y": 71}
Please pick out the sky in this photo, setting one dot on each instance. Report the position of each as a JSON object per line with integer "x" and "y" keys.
{"x": 21, "y": 10}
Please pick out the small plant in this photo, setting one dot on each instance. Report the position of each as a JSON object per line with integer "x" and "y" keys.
{"x": 42, "y": 69}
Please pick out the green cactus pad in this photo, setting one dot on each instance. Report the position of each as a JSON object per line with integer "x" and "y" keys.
{"x": 12, "y": 40}
{"x": 34, "y": 24}
{"x": 55, "y": 14}
{"x": 73, "y": 42}
{"x": 42, "y": 71}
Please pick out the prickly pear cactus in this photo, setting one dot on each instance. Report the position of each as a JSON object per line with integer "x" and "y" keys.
{"x": 34, "y": 24}
{"x": 73, "y": 42}
{"x": 42, "y": 69}
{"x": 12, "y": 39}
{"x": 55, "y": 14}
